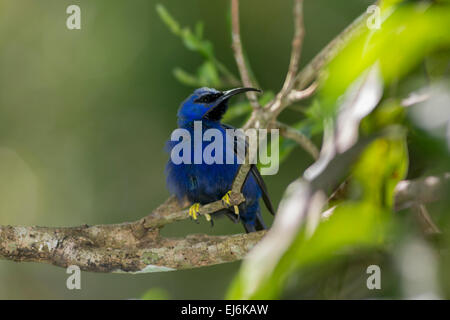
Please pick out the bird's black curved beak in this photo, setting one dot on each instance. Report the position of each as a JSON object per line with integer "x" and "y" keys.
{"x": 228, "y": 94}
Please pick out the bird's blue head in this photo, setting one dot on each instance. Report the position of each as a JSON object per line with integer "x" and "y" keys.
{"x": 207, "y": 104}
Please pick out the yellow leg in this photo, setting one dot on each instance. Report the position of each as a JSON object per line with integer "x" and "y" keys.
{"x": 193, "y": 211}
{"x": 226, "y": 199}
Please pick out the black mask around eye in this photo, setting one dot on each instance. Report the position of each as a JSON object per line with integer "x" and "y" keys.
{"x": 208, "y": 98}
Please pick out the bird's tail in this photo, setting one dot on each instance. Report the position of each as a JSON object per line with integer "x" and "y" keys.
{"x": 254, "y": 225}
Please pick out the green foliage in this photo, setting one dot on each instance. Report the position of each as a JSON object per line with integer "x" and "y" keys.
{"x": 409, "y": 34}
{"x": 388, "y": 113}
{"x": 377, "y": 179}
{"x": 211, "y": 73}
{"x": 206, "y": 76}
{"x": 436, "y": 64}
{"x": 356, "y": 223}
{"x": 155, "y": 294}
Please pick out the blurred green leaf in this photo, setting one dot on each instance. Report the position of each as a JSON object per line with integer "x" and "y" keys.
{"x": 390, "y": 112}
{"x": 382, "y": 165}
{"x": 186, "y": 78}
{"x": 351, "y": 226}
{"x": 208, "y": 72}
{"x": 155, "y": 294}
{"x": 354, "y": 224}
{"x": 314, "y": 113}
{"x": 199, "y": 26}
{"x": 206, "y": 76}
{"x": 170, "y": 22}
{"x": 408, "y": 33}
{"x": 438, "y": 64}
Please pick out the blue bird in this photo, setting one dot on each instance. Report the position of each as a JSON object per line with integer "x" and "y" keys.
{"x": 202, "y": 183}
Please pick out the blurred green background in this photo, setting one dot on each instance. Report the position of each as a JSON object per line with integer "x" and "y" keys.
{"x": 84, "y": 115}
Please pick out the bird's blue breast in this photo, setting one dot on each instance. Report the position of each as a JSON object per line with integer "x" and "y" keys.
{"x": 204, "y": 183}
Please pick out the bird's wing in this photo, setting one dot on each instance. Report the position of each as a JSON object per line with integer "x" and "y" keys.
{"x": 257, "y": 176}
{"x": 262, "y": 186}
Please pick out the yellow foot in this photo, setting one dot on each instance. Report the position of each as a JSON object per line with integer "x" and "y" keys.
{"x": 193, "y": 211}
{"x": 226, "y": 200}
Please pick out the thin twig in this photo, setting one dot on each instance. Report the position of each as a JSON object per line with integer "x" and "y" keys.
{"x": 239, "y": 55}
{"x": 414, "y": 98}
{"x": 280, "y": 101}
{"x": 410, "y": 192}
{"x": 298, "y": 95}
{"x": 296, "y": 51}
{"x": 310, "y": 71}
{"x": 229, "y": 76}
{"x": 428, "y": 226}
{"x": 159, "y": 220}
{"x": 298, "y": 137}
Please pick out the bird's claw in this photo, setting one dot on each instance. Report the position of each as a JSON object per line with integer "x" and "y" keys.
{"x": 226, "y": 200}
{"x": 194, "y": 210}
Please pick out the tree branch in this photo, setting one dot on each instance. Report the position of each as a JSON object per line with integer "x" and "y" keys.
{"x": 309, "y": 73}
{"x": 122, "y": 252}
{"x": 298, "y": 137}
{"x": 420, "y": 191}
{"x": 427, "y": 224}
{"x": 127, "y": 247}
{"x": 297, "y": 44}
{"x": 239, "y": 55}
{"x": 298, "y": 95}
{"x": 134, "y": 247}
{"x": 280, "y": 101}
{"x": 138, "y": 247}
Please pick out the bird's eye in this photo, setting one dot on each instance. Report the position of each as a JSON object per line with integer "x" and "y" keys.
{"x": 208, "y": 98}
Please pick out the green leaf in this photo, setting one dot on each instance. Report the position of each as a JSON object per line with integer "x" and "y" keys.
{"x": 352, "y": 225}
{"x": 408, "y": 33}
{"x": 170, "y": 22}
{"x": 437, "y": 64}
{"x": 382, "y": 165}
{"x": 199, "y": 26}
{"x": 186, "y": 78}
{"x": 155, "y": 294}
{"x": 390, "y": 112}
{"x": 208, "y": 75}
{"x": 211, "y": 71}
{"x": 358, "y": 223}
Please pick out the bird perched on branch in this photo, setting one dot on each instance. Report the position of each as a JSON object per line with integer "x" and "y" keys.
{"x": 202, "y": 182}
